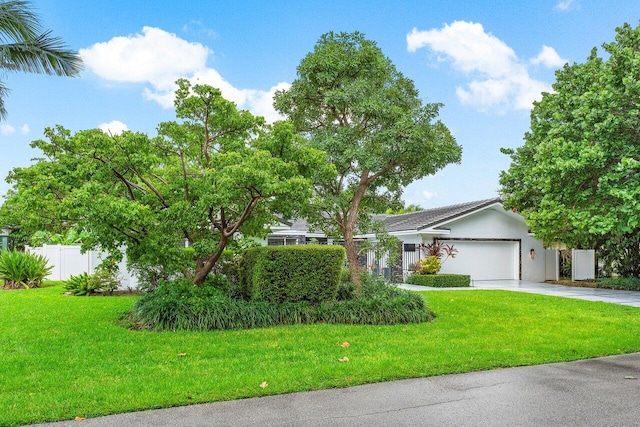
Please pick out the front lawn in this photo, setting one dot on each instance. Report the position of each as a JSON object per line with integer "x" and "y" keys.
{"x": 65, "y": 356}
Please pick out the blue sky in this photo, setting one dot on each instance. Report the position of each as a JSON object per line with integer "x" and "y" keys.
{"x": 486, "y": 61}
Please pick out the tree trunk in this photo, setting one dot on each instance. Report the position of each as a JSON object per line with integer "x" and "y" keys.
{"x": 352, "y": 258}
{"x": 348, "y": 227}
{"x": 203, "y": 271}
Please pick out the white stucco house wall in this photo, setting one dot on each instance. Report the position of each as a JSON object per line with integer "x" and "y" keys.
{"x": 493, "y": 243}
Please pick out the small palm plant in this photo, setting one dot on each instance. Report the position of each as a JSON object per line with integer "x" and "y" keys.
{"x": 22, "y": 269}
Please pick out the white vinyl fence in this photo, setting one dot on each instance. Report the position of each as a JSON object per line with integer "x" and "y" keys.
{"x": 583, "y": 264}
{"x": 68, "y": 261}
{"x": 552, "y": 264}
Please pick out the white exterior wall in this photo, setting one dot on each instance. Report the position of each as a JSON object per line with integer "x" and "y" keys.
{"x": 493, "y": 224}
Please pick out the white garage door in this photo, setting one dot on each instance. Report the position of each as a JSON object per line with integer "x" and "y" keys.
{"x": 484, "y": 260}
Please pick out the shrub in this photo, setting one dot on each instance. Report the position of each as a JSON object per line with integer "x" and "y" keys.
{"x": 403, "y": 307}
{"x": 440, "y": 280}
{"x": 247, "y": 261}
{"x": 173, "y": 266}
{"x": 23, "y": 269}
{"x": 345, "y": 291}
{"x": 181, "y": 305}
{"x": 292, "y": 273}
{"x": 623, "y": 283}
{"x": 345, "y": 275}
{"x": 79, "y": 285}
{"x": 429, "y": 265}
{"x": 102, "y": 281}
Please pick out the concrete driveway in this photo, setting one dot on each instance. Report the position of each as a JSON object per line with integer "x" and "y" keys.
{"x": 596, "y": 392}
{"x": 631, "y": 298}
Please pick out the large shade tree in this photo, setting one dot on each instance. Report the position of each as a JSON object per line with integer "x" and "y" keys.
{"x": 25, "y": 47}
{"x": 576, "y": 179}
{"x": 350, "y": 101}
{"x": 214, "y": 174}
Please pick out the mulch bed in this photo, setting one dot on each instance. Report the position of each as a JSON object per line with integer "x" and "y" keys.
{"x": 578, "y": 284}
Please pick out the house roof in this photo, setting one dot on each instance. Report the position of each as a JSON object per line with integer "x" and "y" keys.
{"x": 433, "y": 217}
{"x": 415, "y": 221}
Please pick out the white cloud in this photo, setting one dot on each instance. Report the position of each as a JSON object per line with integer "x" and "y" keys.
{"x": 565, "y": 5}
{"x": 153, "y": 56}
{"x": 114, "y": 127}
{"x": 25, "y": 129}
{"x": 159, "y": 58}
{"x": 549, "y": 58}
{"x": 197, "y": 27}
{"x": 7, "y": 129}
{"x": 498, "y": 78}
{"x": 429, "y": 195}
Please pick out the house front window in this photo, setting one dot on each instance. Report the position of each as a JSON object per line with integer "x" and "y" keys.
{"x": 280, "y": 241}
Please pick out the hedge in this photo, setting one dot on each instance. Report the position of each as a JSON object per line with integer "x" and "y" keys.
{"x": 246, "y": 263}
{"x": 440, "y": 280}
{"x": 279, "y": 274}
{"x": 622, "y": 283}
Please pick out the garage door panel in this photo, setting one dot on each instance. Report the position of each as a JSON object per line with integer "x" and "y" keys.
{"x": 484, "y": 260}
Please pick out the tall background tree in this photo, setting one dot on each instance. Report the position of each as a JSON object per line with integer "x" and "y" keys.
{"x": 25, "y": 47}
{"x": 577, "y": 177}
{"x": 350, "y": 101}
{"x": 216, "y": 173}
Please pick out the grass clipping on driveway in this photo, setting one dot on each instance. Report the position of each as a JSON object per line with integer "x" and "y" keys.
{"x": 65, "y": 357}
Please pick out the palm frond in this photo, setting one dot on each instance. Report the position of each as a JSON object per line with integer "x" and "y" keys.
{"x": 18, "y": 21}
{"x": 4, "y": 91}
{"x": 44, "y": 54}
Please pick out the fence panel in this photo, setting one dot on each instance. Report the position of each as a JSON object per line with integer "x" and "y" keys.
{"x": 583, "y": 264}
{"x": 552, "y": 264}
{"x": 68, "y": 261}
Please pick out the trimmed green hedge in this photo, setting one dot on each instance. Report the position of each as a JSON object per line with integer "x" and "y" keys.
{"x": 440, "y": 280}
{"x": 279, "y": 274}
{"x": 246, "y": 263}
{"x": 622, "y": 283}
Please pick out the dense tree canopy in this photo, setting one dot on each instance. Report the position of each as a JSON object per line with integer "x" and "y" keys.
{"x": 350, "y": 101}
{"x": 26, "y": 48}
{"x": 577, "y": 177}
{"x": 216, "y": 173}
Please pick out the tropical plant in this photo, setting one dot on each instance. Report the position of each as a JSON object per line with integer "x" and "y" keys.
{"x": 79, "y": 285}
{"x": 23, "y": 269}
{"x": 439, "y": 249}
{"x": 71, "y": 236}
{"x": 428, "y": 265}
{"x": 26, "y": 48}
{"x": 101, "y": 281}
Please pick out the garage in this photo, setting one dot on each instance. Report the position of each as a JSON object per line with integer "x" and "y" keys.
{"x": 484, "y": 259}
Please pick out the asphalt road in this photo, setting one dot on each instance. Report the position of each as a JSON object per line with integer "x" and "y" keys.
{"x": 595, "y": 392}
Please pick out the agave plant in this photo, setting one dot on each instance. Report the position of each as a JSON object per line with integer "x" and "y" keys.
{"x": 79, "y": 285}
{"x": 22, "y": 269}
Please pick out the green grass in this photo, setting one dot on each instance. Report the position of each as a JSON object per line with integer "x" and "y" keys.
{"x": 63, "y": 356}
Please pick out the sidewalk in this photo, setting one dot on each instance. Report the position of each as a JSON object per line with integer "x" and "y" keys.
{"x": 630, "y": 298}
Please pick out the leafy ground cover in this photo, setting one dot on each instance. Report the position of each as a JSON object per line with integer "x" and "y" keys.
{"x": 65, "y": 356}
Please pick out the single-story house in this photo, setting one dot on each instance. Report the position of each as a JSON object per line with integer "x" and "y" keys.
{"x": 493, "y": 243}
